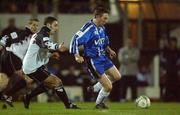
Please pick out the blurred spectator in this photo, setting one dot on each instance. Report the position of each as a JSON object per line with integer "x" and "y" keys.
{"x": 45, "y": 7}
{"x": 86, "y": 82}
{"x": 162, "y": 81}
{"x": 170, "y": 62}
{"x": 71, "y": 78}
{"x": 94, "y": 3}
{"x": 116, "y": 92}
{"x": 143, "y": 76}
{"x": 54, "y": 68}
{"x": 11, "y": 27}
{"x": 79, "y": 8}
{"x": 13, "y": 7}
{"x": 129, "y": 57}
{"x": 65, "y": 6}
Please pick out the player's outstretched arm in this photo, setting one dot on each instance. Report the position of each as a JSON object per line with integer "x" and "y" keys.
{"x": 62, "y": 48}
{"x": 3, "y": 42}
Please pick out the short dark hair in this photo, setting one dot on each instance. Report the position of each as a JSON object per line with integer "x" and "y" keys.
{"x": 49, "y": 20}
{"x": 99, "y": 10}
{"x": 33, "y": 19}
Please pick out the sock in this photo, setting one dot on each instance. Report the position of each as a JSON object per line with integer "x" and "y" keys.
{"x": 1, "y": 94}
{"x": 102, "y": 96}
{"x": 38, "y": 90}
{"x": 16, "y": 87}
{"x": 60, "y": 91}
{"x": 97, "y": 87}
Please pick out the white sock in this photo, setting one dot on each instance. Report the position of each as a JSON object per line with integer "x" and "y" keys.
{"x": 102, "y": 96}
{"x": 97, "y": 87}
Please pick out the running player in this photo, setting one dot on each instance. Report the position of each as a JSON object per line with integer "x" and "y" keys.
{"x": 15, "y": 46}
{"x": 37, "y": 57}
{"x": 96, "y": 45}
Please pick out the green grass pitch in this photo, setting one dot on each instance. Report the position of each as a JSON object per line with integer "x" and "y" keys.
{"x": 88, "y": 109}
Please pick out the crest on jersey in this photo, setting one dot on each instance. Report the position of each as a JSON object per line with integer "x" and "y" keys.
{"x": 79, "y": 33}
{"x": 13, "y": 35}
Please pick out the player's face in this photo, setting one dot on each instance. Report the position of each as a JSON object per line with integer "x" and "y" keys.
{"x": 103, "y": 19}
{"x": 54, "y": 27}
{"x": 34, "y": 26}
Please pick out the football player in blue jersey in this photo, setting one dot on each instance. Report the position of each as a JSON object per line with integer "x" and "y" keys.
{"x": 93, "y": 37}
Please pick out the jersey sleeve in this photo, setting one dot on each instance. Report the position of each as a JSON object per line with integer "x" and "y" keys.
{"x": 4, "y": 41}
{"x": 107, "y": 41}
{"x": 80, "y": 38}
{"x": 45, "y": 42}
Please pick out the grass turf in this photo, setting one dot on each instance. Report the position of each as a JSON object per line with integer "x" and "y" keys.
{"x": 88, "y": 109}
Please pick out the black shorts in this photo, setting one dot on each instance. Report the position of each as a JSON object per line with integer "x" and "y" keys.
{"x": 9, "y": 63}
{"x": 91, "y": 70}
{"x": 39, "y": 75}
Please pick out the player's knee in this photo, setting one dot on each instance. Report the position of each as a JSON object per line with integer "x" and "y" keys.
{"x": 3, "y": 81}
{"x": 58, "y": 82}
{"x": 108, "y": 88}
{"x": 117, "y": 76}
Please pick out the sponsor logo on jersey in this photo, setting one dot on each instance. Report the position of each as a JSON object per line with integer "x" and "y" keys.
{"x": 99, "y": 41}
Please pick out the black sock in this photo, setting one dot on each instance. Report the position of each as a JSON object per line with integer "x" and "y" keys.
{"x": 1, "y": 94}
{"x": 60, "y": 91}
{"x": 38, "y": 90}
{"x": 16, "y": 87}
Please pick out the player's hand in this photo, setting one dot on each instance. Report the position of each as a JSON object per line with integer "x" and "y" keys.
{"x": 112, "y": 54}
{"x": 55, "y": 55}
{"x": 62, "y": 48}
{"x": 79, "y": 58}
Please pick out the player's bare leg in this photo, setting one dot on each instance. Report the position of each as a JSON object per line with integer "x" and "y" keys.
{"x": 4, "y": 82}
{"x": 22, "y": 81}
{"x": 104, "y": 92}
{"x": 113, "y": 75}
{"x": 52, "y": 82}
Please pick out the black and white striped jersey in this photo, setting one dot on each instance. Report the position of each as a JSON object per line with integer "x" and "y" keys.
{"x": 38, "y": 52}
{"x": 17, "y": 42}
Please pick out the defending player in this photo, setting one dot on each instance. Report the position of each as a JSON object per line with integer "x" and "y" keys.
{"x": 96, "y": 44}
{"x": 37, "y": 57}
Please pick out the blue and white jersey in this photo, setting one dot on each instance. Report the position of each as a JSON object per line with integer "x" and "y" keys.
{"x": 93, "y": 38}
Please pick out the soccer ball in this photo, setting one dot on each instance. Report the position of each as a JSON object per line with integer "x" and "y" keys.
{"x": 143, "y": 102}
